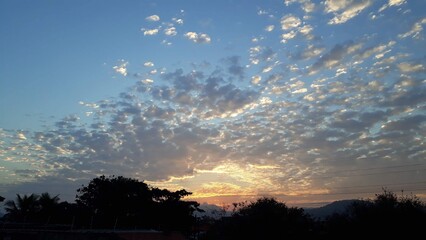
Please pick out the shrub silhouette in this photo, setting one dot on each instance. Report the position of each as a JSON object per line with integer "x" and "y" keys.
{"x": 264, "y": 219}
{"x": 385, "y": 216}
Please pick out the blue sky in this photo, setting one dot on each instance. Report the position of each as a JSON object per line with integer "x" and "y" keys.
{"x": 307, "y": 101}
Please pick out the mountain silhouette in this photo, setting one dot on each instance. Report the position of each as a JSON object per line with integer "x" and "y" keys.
{"x": 335, "y": 207}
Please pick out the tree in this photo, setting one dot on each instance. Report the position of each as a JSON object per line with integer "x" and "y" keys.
{"x": 24, "y": 208}
{"x": 265, "y": 218}
{"x": 48, "y": 207}
{"x": 121, "y": 202}
{"x": 387, "y": 215}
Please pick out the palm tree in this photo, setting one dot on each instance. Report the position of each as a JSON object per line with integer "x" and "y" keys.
{"x": 23, "y": 208}
{"x": 48, "y": 206}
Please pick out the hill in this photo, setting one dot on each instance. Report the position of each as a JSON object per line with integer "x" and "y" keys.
{"x": 334, "y": 207}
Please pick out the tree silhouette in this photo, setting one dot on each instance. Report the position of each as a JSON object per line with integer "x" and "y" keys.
{"x": 24, "y": 208}
{"x": 385, "y": 216}
{"x": 264, "y": 219}
{"x": 121, "y": 202}
{"x": 48, "y": 207}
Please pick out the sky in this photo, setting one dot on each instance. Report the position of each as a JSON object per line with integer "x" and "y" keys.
{"x": 305, "y": 101}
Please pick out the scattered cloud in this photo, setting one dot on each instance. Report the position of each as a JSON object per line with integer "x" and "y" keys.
{"x": 274, "y": 119}
{"x": 335, "y": 56}
{"x": 171, "y": 31}
{"x": 150, "y": 32}
{"x": 153, "y": 18}
{"x": 290, "y": 21}
{"x": 344, "y": 10}
{"x": 198, "y": 37}
{"x": 269, "y": 28}
{"x": 415, "y": 30}
{"x": 178, "y": 21}
{"x": 121, "y": 68}
{"x": 406, "y": 67}
{"x": 392, "y": 3}
{"x": 148, "y": 64}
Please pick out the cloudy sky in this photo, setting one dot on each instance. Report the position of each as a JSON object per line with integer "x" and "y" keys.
{"x": 307, "y": 101}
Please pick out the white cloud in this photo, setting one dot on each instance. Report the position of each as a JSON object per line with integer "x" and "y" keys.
{"x": 406, "y": 67}
{"x": 306, "y": 5}
{"x": 148, "y": 64}
{"x": 379, "y": 50}
{"x": 21, "y": 136}
{"x": 306, "y": 29}
{"x": 147, "y": 81}
{"x": 311, "y": 51}
{"x": 171, "y": 31}
{"x": 415, "y": 29}
{"x": 150, "y": 32}
{"x": 178, "y": 21}
{"x": 256, "y": 79}
{"x": 392, "y": 3}
{"x": 122, "y": 68}
{"x": 301, "y": 90}
{"x": 269, "y": 28}
{"x": 290, "y": 21}
{"x": 198, "y": 37}
{"x": 345, "y": 10}
{"x": 335, "y": 56}
{"x": 287, "y": 36}
{"x": 153, "y": 18}
{"x": 262, "y": 12}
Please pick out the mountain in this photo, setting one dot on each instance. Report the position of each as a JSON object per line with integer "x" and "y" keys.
{"x": 213, "y": 211}
{"x": 327, "y": 210}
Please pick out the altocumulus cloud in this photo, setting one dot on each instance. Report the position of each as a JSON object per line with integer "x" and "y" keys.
{"x": 277, "y": 120}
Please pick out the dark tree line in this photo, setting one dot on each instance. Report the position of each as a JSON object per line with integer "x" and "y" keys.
{"x": 264, "y": 219}
{"x": 108, "y": 202}
{"x": 125, "y": 203}
{"x": 385, "y": 217}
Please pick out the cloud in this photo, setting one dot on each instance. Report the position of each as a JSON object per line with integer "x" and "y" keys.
{"x": 415, "y": 30}
{"x": 148, "y": 64}
{"x": 153, "y": 18}
{"x": 269, "y": 28}
{"x": 310, "y": 52}
{"x": 198, "y": 37}
{"x": 345, "y": 10}
{"x": 21, "y": 136}
{"x": 171, "y": 31}
{"x": 406, "y": 67}
{"x": 379, "y": 51}
{"x": 335, "y": 56}
{"x": 287, "y": 36}
{"x": 256, "y": 79}
{"x": 290, "y": 21}
{"x": 234, "y": 66}
{"x": 178, "y": 21}
{"x": 281, "y": 120}
{"x": 406, "y": 124}
{"x": 150, "y": 32}
{"x": 392, "y": 3}
{"x": 121, "y": 68}
{"x": 306, "y": 5}
{"x": 260, "y": 54}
